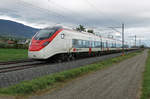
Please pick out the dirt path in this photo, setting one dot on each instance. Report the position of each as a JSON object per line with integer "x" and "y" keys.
{"x": 117, "y": 82}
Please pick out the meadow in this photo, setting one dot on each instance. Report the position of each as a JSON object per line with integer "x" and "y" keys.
{"x": 12, "y": 54}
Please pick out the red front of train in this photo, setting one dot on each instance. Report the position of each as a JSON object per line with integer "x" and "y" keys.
{"x": 40, "y": 40}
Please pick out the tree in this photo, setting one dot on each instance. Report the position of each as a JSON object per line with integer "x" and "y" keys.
{"x": 90, "y": 31}
{"x": 80, "y": 28}
{"x": 142, "y": 46}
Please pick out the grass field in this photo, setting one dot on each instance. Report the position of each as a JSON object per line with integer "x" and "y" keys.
{"x": 146, "y": 80}
{"x": 12, "y": 54}
{"x": 49, "y": 81}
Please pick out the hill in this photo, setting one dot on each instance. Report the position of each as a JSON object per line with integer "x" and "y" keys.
{"x": 12, "y": 28}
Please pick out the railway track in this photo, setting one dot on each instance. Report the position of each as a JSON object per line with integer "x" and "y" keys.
{"x": 25, "y": 64}
{"x": 15, "y": 62}
{"x": 8, "y": 68}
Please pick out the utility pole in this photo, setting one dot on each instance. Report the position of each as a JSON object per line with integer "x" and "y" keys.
{"x": 122, "y": 39}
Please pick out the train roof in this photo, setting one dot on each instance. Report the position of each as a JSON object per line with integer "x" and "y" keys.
{"x": 54, "y": 27}
{"x": 70, "y": 29}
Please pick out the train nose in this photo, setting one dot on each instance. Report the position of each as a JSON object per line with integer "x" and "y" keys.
{"x": 37, "y": 45}
{"x": 34, "y": 47}
{"x": 36, "y": 55}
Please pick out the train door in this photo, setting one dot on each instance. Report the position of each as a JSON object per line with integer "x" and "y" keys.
{"x": 62, "y": 44}
{"x": 68, "y": 41}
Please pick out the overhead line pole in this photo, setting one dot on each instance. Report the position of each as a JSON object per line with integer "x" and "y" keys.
{"x": 122, "y": 36}
{"x": 135, "y": 40}
{"x": 122, "y": 39}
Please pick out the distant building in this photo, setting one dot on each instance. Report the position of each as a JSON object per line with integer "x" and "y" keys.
{"x": 27, "y": 41}
{"x": 1, "y": 41}
{"x": 10, "y": 42}
{"x": 21, "y": 42}
{"x": 24, "y": 41}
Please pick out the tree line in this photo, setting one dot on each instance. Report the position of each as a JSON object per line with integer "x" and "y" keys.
{"x": 82, "y": 28}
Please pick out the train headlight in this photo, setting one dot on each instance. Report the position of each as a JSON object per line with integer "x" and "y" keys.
{"x": 46, "y": 43}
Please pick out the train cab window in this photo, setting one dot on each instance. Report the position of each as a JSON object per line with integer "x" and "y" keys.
{"x": 46, "y": 33}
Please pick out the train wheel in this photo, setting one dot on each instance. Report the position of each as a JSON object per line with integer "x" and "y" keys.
{"x": 99, "y": 54}
{"x": 73, "y": 57}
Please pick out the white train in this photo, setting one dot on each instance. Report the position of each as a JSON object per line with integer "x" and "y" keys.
{"x": 57, "y": 40}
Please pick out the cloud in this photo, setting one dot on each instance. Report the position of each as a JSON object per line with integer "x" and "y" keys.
{"x": 91, "y": 13}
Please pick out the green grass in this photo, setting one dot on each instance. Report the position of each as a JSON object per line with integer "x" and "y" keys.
{"x": 28, "y": 87}
{"x": 146, "y": 80}
{"x": 13, "y": 54}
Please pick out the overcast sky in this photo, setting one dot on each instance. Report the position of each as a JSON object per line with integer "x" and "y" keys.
{"x": 97, "y": 14}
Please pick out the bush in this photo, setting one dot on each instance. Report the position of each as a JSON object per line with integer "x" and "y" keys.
{"x": 15, "y": 46}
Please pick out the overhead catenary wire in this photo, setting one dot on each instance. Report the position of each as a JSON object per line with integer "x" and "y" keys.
{"x": 58, "y": 15}
{"x": 101, "y": 13}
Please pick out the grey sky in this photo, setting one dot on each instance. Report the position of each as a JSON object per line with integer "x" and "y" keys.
{"x": 91, "y": 13}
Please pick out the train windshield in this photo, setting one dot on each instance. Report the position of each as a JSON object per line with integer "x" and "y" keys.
{"x": 44, "y": 34}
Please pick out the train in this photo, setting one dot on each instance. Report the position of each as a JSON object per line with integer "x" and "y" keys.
{"x": 67, "y": 43}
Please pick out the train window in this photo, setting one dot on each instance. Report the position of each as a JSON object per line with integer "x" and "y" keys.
{"x": 75, "y": 43}
{"x": 87, "y": 44}
{"x": 117, "y": 45}
{"x": 97, "y": 44}
{"x": 83, "y": 44}
{"x": 79, "y": 43}
{"x": 109, "y": 45}
{"x": 92, "y": 44}
{"x": 44, "y": 34}
{"x": 105, "y": 45}
{"x": 112, "y": 45}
